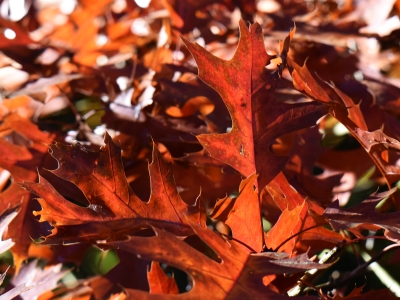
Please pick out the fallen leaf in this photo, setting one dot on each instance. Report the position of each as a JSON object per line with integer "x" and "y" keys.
{"x": 21, "y": 150}
{"x": 238, "y": 275}
{"x": 258, "y": 118}
{"x": 114, "y": 209}
{"x": 349, "y": 114}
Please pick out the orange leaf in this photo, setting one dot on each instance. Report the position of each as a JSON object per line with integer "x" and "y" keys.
{"x": 243, "y": 215}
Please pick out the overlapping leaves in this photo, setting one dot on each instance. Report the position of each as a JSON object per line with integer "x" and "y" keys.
{"x": 238, "y": 274}
{"x": 260, "y": 121}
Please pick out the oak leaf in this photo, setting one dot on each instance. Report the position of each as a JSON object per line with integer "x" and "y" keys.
{"x": 292, "y": 223}
{"x": 238, "y": 275}
{"x": 365, "y": 213}
{"x": 299, "y": 170}
{"x": 258, "y": 118}
{"x": 113, "y": 208}
{"x": 349, "y": 114}
{"x": 298, "y": 214}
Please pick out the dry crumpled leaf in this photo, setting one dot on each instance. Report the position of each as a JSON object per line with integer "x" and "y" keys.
{"x": 365, "y": 213}
{"x": 32, "y": 281}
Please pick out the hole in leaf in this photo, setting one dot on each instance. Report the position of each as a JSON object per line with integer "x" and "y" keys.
{"x": 391, "y": 157}
{"x": 67, "y": 189}
{"x": 139, "y": 180}
{"x": 195, "y": 242}
{"x": 385, "y": 155}
{"x": 145, "y": 232}
{"x": 317, "y": 170}
{"x": 181, "y": 278}
{"x": 266, "y": 224}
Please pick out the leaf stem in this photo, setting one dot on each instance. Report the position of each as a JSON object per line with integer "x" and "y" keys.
{"x": 294, "y": 235}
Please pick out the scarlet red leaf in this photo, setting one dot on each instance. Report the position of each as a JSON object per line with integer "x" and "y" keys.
{"x": 258, "y": 118}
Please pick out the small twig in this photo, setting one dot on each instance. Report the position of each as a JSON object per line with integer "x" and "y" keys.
{"x": 352, "y": 247}
{"x": 311, "y": 286}
{"x": 366, "y": 237}
{"x": 229, "y": 237}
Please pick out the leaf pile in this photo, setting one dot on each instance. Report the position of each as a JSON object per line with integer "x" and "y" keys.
{"x": 199, "y": 149}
